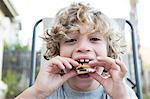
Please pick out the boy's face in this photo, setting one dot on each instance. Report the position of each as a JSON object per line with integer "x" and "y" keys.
{"x": 83, "y": 45}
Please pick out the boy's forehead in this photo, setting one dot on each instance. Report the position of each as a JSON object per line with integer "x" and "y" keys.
{"x": 83, "y": 29}
{"x": 76, "y": 33}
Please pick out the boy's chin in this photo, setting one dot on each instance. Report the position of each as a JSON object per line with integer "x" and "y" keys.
{"x": 83, "y": 79}
{"x": 83, "y": 83}
{"x": 83, "y": 76}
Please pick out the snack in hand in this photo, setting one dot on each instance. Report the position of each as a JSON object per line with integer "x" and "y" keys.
{"x": 85, "y": 68}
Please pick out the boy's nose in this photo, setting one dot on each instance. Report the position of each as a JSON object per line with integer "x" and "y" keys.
{"x": 83, "y": 50}
{"x": 83, "y": 47}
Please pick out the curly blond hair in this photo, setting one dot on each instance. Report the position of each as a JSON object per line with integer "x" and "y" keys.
{"x": 68, "y": 19}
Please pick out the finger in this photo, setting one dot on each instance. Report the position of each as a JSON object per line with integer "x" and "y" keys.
{"x": 122, "y": 66}
{"x": 73, "y": 62}
{"x": 69, "y": 75}
{"x": 109, "y": 62}
{"x": 57, "y": 62}
{"x": 99, "y": 64}
{"x": 66, "y": 63}
{"x": 100, "y": 70}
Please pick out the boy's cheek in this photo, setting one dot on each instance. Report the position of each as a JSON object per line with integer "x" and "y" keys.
{"x": 65, "y": 52}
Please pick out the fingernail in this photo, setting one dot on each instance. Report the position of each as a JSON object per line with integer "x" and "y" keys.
{"x": 116, "y": 60}
{"x": 70, "y": 67}
{"x": 63, "y": 68}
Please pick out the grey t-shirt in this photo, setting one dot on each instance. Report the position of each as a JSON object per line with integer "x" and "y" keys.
{"x": 65, "y": 92}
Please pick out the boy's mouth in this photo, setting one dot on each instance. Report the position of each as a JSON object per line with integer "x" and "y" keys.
{"x": 83, "y": 69}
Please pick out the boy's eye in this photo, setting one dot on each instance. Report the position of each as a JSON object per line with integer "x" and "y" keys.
{"x": 95, "y": 39}
{"x": 70, "y": 41}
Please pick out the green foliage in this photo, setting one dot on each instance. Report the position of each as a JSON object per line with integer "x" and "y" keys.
{"x": 6, "y": 46}
{"x": 11, "y": 78}
{"x": 17, "y": 46}
{"x": 146, "y": 96}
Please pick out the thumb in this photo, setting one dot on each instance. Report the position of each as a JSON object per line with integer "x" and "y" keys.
{"x": 98, "y": 77}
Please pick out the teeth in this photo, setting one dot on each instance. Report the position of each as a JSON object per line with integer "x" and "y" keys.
{"x": 81, "y": 60}
{"x": 84, "y": 60}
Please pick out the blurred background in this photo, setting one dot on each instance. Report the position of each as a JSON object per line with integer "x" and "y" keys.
{"x": 17, "y": 19}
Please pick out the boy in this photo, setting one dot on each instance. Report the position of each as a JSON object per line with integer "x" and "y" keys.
{"x": 82, "y": 35}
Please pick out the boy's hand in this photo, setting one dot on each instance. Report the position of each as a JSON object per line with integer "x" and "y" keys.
{"x": 49, "y": 78}
{"x": 113, "y": 84}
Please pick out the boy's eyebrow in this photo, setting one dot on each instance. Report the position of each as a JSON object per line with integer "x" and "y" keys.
{"x": 73, "y": 30}
{"x": 97, "y": 34}
{"x": 75, "y": 33}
